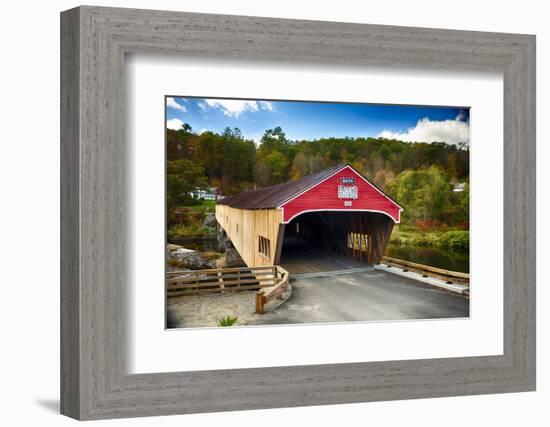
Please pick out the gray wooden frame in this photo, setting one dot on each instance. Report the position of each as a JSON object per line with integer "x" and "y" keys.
{"x": 94, "y": 41}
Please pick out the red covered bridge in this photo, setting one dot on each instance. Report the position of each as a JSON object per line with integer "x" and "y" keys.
{"x": 336, "y": 210}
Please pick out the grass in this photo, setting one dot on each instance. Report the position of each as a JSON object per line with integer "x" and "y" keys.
{"x": 185, "y": 231}
{"x": 204, "y": 206}
{"x": 189, "y": 221}
{"x": 438, "y": 238}
{"x": 227, "y": 321}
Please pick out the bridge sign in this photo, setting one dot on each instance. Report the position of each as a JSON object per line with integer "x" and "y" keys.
{"x": 348, "y": 192}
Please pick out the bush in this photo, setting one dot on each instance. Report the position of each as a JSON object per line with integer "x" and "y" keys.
{"x": 227, "y": 321}
{"x": 181, "y": 231}
{"x": 174, "y": 262}
{"x": 458, "y": 239}
{"x": 455, "y": 239}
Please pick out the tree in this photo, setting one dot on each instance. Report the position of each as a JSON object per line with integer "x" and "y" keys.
{"x": 183, "y": 176}
{"x": 300, "y": 166}
{"x": 262, "y": 173}
{"x": 279, "y": 166}
{"x": 452, "y": 165}
{"x": 425, "y": 194}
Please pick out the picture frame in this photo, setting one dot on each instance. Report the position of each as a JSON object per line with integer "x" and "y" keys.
{"x": 94, "y": 42}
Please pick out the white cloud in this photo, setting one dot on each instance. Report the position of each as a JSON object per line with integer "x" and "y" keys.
{"x": 426, "y": 130}
{"x": 171, "y": 103}
{"x": 174, "y": 124}
{"x": 235, "y": 107}
{"x": 257, "y": 138}
{"x": 267, "y": 105}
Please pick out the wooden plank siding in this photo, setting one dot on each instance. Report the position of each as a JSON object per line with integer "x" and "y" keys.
{"x": 324, "y": 197}
{"x": 245, "y": 226}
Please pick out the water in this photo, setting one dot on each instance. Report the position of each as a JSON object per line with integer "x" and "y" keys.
{"x": 204, "y": 244}
{"x": 435, "y": 257}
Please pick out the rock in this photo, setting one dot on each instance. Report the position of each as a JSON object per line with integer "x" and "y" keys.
{"x": 210, "y": 221}
{"x": 233, "y": 259}
{"x": 181, "y": 251}
{"x": 172, "y": 248}
{"x": 193, "y": 260}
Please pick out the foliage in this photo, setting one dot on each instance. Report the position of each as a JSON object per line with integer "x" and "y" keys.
{"x": 174, "y": 262}
{"x": 420, "y": 176}
{"x": 458, "y": 239}
{"x": 183, "y": 231}
{"x": 227, "y": 321}
{"x": 427, "y": 194}
{"x": 442, "y": 238}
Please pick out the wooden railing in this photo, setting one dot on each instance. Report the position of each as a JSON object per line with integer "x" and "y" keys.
{"x": 220, "y": 280}
{"x": 275, "y": 291}
{"x": 427, "y": 271}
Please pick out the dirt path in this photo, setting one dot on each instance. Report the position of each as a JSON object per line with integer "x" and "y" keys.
{"x": 194, "y": 311}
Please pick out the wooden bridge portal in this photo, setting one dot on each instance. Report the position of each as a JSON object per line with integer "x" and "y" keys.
{"x": 336, "y": 209}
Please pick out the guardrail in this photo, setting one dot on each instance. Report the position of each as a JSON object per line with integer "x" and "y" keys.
{"x": 275, "y": 291}
{"x": 428, "y": 271}
{"x": 220, "y": 280}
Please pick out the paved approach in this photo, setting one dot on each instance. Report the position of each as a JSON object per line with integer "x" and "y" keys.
{"x": 364, "y": 296}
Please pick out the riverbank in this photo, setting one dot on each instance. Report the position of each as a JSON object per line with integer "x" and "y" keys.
{"x": 435, "y": 238}
{"x": 443, "y": 248}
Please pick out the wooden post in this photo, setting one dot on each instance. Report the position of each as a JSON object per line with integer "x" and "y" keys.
{"x": 260, "y": 302}
{"x": 220, "y": 281}
{"x": 360, "y": 217}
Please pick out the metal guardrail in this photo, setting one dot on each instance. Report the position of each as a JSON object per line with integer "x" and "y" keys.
{"x": 428, "y": 271}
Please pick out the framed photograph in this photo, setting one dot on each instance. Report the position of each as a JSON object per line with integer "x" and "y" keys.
{"x": 261, "y": 213}
{"x": 309, "y": 216}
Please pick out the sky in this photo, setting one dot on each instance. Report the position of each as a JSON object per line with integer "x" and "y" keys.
{"x": 313, "y": 120}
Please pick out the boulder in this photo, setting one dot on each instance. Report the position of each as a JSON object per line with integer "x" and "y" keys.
{"x": 233, "y": 259}
{"x": 193, "y": 261}
{"x": 210, "y": 221}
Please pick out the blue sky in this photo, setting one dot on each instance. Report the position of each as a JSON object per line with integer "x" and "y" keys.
{"x": 314, "y": 120}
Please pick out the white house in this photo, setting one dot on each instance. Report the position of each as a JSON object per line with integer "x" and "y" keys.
{"x": 211, "y": 193}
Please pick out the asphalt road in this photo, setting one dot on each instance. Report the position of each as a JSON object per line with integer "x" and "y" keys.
{"x": 364, "y": 296}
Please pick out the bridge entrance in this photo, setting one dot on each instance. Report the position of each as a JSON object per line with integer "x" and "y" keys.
{"x": 332, "y": 240}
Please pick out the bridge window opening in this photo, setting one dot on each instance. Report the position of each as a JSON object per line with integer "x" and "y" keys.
{"x": 264, "y": 246}
{"x": 358, "y": 245}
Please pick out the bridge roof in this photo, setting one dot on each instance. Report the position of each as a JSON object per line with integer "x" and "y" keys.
{"x": 276, "y": 195}
{"x": 273, "y": 196}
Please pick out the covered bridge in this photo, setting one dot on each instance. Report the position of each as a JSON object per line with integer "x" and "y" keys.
{"x": 337, "y": 209}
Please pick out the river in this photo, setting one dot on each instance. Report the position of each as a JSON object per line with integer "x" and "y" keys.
{"x": 435, "y": 257}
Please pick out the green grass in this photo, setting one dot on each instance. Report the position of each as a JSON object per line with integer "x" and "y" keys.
{"x": 452, "y": 239}
{"x": 182, "y": 231}
{"x": 227, "y": 321}
{"x": 204, "y": 206}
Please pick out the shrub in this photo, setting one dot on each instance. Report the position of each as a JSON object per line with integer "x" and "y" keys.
{"x": 458, "y": 239}
{"x": 182, "y": 231}
{"x": 455, "y": 239}
{"x": 227, "y": 321}
{"x": 173, "y": 262}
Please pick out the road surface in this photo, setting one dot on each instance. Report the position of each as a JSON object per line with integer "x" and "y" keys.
{"x": 364, "y": 296}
